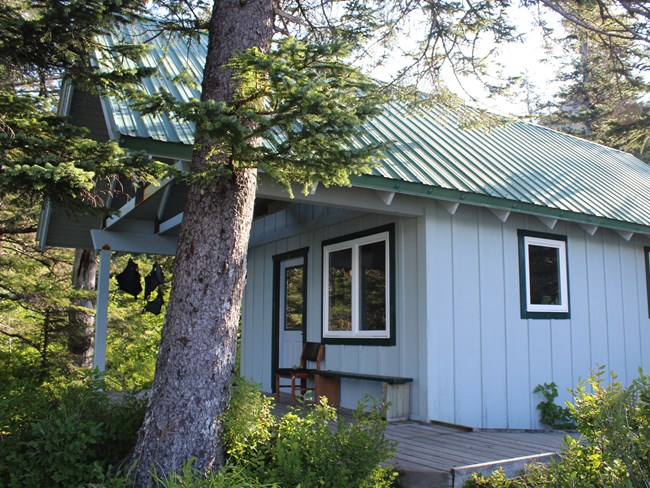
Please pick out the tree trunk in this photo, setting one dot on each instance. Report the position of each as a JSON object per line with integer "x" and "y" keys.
{"x": 82, "y": 322}
{"x": 197, "y": 354}
{"x": 587, "y": 104}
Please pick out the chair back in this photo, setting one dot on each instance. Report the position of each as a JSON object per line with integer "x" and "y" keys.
{"x": 312, "y": 351}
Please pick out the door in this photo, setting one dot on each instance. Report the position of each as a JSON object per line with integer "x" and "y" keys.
{"x": 291, "y": 319}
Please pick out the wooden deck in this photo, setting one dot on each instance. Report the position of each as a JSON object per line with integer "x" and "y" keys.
{"x": 443, "y": 456}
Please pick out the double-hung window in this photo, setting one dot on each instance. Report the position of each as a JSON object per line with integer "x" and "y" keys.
{"x": 358, "y": 288}
{"x": 544, "y": 282}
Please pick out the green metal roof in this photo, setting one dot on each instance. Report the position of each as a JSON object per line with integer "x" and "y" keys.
{"x": 518, "y": 166}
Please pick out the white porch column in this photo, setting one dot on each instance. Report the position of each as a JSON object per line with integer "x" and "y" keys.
{"x": 101, "y": 309}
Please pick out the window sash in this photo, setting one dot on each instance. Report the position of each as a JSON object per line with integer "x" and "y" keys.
{"x": 560, "y": 246}
{"x": 293, "y": 298}
{"x": 356, "y": 331}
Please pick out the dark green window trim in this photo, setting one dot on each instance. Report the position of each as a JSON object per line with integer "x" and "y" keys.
{"x": 367, "y": 341}
{"x": 523, "y": 278}
{"x": 646, "y": 252}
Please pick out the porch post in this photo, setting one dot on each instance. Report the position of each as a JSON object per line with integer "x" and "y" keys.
{"x": 101, "y": 309}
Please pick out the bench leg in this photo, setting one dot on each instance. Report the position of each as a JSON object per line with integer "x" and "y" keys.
{"x": 398, "y": 396}
{"x": 329, "y": 388}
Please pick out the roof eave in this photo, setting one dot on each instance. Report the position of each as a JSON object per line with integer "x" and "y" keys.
{"x": 477, "y": 199}
{"x": 161, "y": 149}
{"x": 177, "y": 150}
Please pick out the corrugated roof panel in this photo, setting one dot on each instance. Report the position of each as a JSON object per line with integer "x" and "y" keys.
{"x": 519, "y": 162}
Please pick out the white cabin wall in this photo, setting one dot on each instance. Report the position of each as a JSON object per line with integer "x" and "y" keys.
{"x": 296, "y": 226}
{"x": 484, "y": 359}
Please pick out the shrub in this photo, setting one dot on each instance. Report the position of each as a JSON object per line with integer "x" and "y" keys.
{"x": 615, "y": 446}
{"x": 248, "y": 427}
{"x": 64, "y": 434}
{"x": 307, "y": 448}
{"x": 552, "y": 415}
{"x": 229, "y": 476}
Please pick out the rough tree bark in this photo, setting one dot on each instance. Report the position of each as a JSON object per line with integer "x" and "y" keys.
{"x": 197, "y": 354}
{"x": 82, "y": 322}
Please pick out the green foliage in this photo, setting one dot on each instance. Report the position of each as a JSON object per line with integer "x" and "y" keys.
{"x": 36, "y": 297}
{"x": 615, "y": 421}
{"x": 64, "y": 433}
{"x": 613, "y": 451}
{"x": 37, "y": 302}
{"x": 44, "y": 155}
{"x": 248, "y": 426}
{"x": 229, "y": 476}
{"x": 552, "y": 415}
{"x": 497, "y": 479}
{"x": 39, "y": 39}
{"x": 133, "y": 335}
{"x": 604, "y": 92}
{"x": 302, "y": 99}
{"x": 312, "y": 448}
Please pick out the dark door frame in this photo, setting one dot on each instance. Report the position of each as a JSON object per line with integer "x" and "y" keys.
{"x": 275, "y": 346}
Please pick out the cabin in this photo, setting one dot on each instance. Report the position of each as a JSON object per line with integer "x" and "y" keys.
{"x": 470, "y": 266}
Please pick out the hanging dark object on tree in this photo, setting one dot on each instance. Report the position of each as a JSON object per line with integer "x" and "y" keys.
{"x": 155, "y": 305}
{"x": 129, "y": 280}
{"x": 154, "y": 279}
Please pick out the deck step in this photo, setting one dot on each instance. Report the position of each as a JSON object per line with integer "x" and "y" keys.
{"x": 457, "y": 476}
{"x": 410, "y": 478}
{"x": 512, "y": 467}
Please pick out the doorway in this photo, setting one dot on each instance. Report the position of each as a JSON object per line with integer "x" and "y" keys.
{"x": 290, "y": 308}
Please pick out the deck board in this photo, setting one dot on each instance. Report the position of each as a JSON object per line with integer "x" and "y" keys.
{"x": 426, "y": 453}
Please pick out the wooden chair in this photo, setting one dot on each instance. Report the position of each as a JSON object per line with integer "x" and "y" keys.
{"x": 311, "y": 352}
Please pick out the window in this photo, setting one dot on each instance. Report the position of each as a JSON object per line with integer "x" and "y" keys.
{"x": 544, "y": 284}
{"x": 293, "y": 297}
{"x": 357, "y": 288}
{"x": 646, "y": 251}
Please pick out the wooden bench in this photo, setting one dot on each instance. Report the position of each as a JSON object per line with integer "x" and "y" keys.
{"x": 394, "y": 389}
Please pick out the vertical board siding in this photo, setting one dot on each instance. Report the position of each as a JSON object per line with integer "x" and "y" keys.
{"x": 497, "y": 357}
{"x": 493, "y": 345}
{"x": 466, "y": 304}
{"x": 616, "y": 357}
{"x": 644, "y": 297}
{"x": 581, "y": 354}
{"x": 86, "y": 111}
{"x": 440, "y": 295}
{"x": 516, "y": 334}
{"x": 631, "y": 317}
{"x": 460, "y": 334}
{"x": 597, "y": 295}
{"x": 400, "y": 360}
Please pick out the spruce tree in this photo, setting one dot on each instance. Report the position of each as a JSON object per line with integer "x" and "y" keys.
{"x": 604, "y": 86}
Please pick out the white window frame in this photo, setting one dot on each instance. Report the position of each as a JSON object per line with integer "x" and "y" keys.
{"x": 354, "y": 245}
{"x": 560, "y": 245}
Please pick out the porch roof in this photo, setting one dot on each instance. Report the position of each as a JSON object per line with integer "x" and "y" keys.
{"x": 518, "y": 167}
{"x": 515, "y": 167}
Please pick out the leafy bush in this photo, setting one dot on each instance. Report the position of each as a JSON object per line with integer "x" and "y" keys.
{"x": 552, "y": 415}
{"x": 615, "y": 446}
{"x": 64, "y": 434}
{"x": 248, "y": 426}
{"x": 311, "y": 448}
{"x": 496, "y": 480}
{"x": 229, "y": 476}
